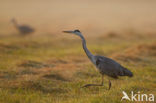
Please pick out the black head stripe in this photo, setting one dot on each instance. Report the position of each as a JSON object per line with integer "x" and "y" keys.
{"x": 76, "y": 31}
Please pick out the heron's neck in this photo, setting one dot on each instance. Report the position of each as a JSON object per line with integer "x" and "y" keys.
{"x": 88, "y": 53}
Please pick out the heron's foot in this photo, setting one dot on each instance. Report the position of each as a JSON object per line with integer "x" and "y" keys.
{"x": 110, "y": 84}
{"x": 87, "y": 85}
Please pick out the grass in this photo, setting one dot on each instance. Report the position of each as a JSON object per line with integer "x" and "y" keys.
{"x": 46, "y": 69}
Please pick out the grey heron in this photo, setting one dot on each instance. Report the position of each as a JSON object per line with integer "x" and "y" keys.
{"x": 106, "y": 66}
{"x": 23, "y": 29}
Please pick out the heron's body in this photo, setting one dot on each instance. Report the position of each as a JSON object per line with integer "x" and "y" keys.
{"x": 23, "y": 29}
{"x": 111, "y": 68}
{"x": 106, "y": 66}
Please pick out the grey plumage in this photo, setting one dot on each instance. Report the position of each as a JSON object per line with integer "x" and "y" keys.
{"x": 106, "y": 66}
{"x": 23, "y": 29}
{"x": 111, "y": 68}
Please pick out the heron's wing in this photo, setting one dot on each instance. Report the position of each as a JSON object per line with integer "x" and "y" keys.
{"x": 26, "y": 27}
{"x": 108, "y": 66}
{"x": 111, "y": 67}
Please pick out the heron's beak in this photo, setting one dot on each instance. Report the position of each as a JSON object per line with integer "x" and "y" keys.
{"x": 68, "y": 31}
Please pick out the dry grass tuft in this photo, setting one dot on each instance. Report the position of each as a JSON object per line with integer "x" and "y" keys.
{"x": 136, "y": 53}
{"x": 7, "y": 46}
{"x": 55, "y": 76}
{"x": 111, "y": 35}
{"x": 33, "y": 64}
{"x": 31, "y": 85}
{"x": 8, "y": 75}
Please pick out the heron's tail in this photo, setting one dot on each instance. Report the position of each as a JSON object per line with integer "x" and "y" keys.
{"x": 127, "y": 72}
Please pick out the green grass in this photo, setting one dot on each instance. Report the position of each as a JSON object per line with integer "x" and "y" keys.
{"x": 45, "y": 69}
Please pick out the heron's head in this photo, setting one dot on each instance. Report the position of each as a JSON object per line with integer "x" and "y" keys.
{"x": 13, "y": 20}
{"x": 77, "y": 32}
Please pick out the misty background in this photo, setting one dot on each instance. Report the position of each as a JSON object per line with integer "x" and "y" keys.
{"x": 95, "y": 17}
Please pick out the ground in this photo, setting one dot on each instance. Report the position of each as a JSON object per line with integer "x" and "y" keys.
{"x": 51, "y": 69}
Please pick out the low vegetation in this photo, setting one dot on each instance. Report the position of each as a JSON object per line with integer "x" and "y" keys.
{"x": 46, "y": 69}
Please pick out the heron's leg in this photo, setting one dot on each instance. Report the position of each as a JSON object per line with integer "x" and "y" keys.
{"x": 102, "y": 80}
{"x": 87, "y": 85}
{"x": 110, "y": 84}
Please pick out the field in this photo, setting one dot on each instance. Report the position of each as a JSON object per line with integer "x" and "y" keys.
{"x": 50, "y": 66}
{"x": 47, "y": 69}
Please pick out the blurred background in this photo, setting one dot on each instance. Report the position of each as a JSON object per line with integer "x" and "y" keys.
{"x": 92, "y": 16}
{"x": 49, "y": 66}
